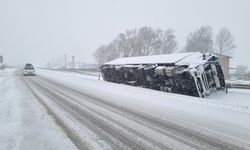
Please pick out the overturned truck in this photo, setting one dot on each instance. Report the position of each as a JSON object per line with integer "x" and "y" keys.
{"x": 193, "y": 74}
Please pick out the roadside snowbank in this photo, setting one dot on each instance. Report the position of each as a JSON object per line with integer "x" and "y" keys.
{"x": 240, "y": 82}
{"x": 10, "y": 113}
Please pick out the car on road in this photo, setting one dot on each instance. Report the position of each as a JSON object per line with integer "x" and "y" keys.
{"x": 29, "y": 70}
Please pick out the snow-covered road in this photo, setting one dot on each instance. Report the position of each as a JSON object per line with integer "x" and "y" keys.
{"x": 24, "y": 123}
{"x": 89, "y": 114}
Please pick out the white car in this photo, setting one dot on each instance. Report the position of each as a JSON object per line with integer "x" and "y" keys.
{"x": 29, "y": 70}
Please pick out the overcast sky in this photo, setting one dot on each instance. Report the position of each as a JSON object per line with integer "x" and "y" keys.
{"x": 38, "y": 31}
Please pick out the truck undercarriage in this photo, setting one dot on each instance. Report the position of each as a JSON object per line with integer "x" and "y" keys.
{"x": 182, "y": 77}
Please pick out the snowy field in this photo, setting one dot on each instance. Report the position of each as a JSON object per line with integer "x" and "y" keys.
{"x": 41, "y": 115}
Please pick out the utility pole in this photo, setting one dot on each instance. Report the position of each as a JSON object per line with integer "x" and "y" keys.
{"x": 48, "y": 65}
{"x": 73, "y": 62}
{"x": 1, "y": 59}
{"x": 65, "y": 61}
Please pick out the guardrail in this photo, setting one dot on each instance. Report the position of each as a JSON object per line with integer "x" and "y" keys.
{"x": 240, "y": 86}
{"x": 79, "y": 71}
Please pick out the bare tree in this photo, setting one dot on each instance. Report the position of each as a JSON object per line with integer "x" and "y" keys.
{"x": 145, "y": 41}
{"x": 241, "y": 70}
{"x": 224, "y": 42}
{"x": 112, "y": 51}
{"x": 127, "y": 42}
{"x": 107, "y": 53}
{"x": 167, "y": 42}
{"x": 200, "y": 40}
{"x": 248, "y": 75}
{"x": 100, "y": 55}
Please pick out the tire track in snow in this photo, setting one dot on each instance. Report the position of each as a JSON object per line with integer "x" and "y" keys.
{"x": 130, "y": 117}
{"x": 166, "y": 128}
{"x": 96, "y": 125}
{"x": 73, "y": 137}
{"x": 135, "y": 142}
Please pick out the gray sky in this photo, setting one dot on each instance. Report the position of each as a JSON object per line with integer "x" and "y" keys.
{"x": 38, "y": 31}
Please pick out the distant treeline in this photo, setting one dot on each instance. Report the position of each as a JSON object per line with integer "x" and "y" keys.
{"x": 148, "y": 41}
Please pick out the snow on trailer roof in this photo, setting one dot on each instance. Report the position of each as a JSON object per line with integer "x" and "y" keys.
{"x": 154, "y": 59}
{"x": 194, "y": 59}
